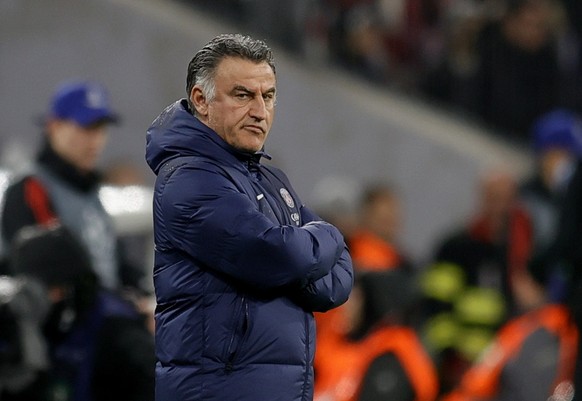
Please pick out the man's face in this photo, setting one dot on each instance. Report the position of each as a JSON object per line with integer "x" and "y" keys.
{"x": 243, "y": 107}
{"x": 80, "y": 146}
{"x": 384, "y": 216}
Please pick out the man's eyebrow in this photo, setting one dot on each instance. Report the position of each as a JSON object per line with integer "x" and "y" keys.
{"x": 240, "y": 88}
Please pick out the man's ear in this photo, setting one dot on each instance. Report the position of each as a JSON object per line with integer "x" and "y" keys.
{"x": 199, "y": 101}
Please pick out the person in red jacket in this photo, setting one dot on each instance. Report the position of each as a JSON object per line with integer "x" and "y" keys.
{"x": 380, "y": 356}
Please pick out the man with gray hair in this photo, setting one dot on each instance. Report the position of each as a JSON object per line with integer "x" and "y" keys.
{"x": 240, "y": 262}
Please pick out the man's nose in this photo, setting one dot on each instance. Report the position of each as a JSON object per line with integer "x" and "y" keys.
{"x": 258, "y": 108}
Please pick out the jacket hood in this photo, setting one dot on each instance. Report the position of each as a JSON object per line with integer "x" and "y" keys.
{"x": 176, "y": 132}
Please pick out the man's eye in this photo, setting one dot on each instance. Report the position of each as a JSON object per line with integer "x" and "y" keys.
{"x": 242, "y": 95}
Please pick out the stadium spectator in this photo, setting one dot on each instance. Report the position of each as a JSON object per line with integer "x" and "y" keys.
{"x": 565, "y": 253}
{"x": 458, "y": 321}
{"x": 468, "y": 287}
{"x": 448, "y": 77}
{"x": 532, "y": 356}
{"x": 380, "y": 357}
{"x": 64, "y": 183}
{"x": 374, "y": 247}
{"x": 517, "y": 79}
{"x": 375, "y": 244}
{"x": 557, "y": 144}
{"x": 500, "y": 62}
{"x": 496, "y": 242}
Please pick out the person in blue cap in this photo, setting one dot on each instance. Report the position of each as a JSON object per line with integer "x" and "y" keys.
{"x": 554, "y": 197}
{"x": 561, "y": 257}
{"x": 63, "y": 183}
{"x": 556, "y": 140}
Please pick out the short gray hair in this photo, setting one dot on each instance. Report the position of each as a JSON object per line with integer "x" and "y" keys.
{"x": 202, "y": 67}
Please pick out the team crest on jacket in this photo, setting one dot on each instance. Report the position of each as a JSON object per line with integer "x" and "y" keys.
{"x": 287, "y": 197}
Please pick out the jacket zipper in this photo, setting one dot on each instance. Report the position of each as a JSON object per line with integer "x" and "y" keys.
{"x": 232, "y": 350}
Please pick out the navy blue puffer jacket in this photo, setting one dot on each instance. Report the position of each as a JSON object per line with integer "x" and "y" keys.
{"x": 240, "y": 265}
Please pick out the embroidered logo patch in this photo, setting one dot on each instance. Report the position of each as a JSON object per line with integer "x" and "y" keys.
{"x": 287, "y": 197}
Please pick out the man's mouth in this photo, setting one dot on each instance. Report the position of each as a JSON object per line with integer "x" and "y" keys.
{"x": 255, "y": 128}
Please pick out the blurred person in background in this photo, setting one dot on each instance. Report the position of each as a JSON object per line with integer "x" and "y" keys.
{"x": 448, "y": 75}
{"x": 335, "y": 199}
{"x": 533, "y": 355}
{"x": 564, "y": 254}
{"x": 240, "y": 262}
{"x": 497, "y": 240}
{"x": 517, "y": 79}
{"x": 468, "y": 286}
{"x": 380, "y": 356}
{"x": 458, "y": 320}
{"x": 73, "y": 340}
{"x": 554, "y": 198}
{"x": 557, "y": 145}
{"x": 64, "y": 183}
{"x": 382, "y": 40}
{"x": 374, "y": 244}
{"x": 358, "y": 43}
{"x": 571, "y": 55}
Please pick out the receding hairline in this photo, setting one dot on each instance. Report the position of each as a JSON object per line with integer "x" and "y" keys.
{"x": 216, "y": 68}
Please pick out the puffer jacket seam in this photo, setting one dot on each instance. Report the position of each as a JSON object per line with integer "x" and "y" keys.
{"x": 204, "y": 339}
{"x": 307, "y": 364}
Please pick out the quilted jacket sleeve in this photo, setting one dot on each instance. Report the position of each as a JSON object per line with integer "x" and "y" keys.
{"x": 331, "y": 290}
{"x": 205, "y": 216}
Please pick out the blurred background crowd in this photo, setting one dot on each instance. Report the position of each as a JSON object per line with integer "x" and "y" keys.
{"x": 488, "y": 312}
{"x": 503, "y": 62}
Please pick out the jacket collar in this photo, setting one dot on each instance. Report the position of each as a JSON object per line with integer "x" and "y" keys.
{"x": 177, "y": 132}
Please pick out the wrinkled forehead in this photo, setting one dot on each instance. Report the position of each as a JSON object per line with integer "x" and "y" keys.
{"x": 235, "y": 69}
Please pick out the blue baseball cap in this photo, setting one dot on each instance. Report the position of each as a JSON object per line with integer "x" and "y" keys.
{"x": 84, "y": 102}
{"x": 558, "y": 129}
